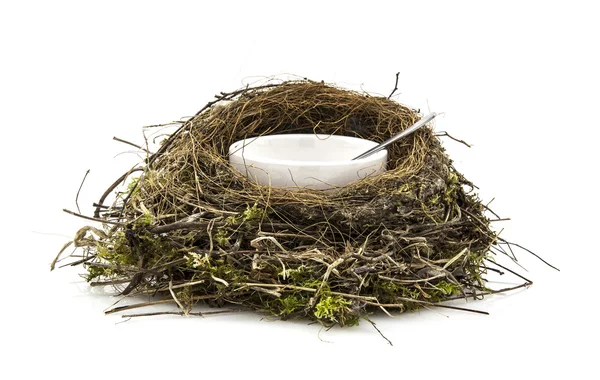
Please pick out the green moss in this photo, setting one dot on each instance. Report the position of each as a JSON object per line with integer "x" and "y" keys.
{"x": 473, "y": 268}
{"x": 331, "y": 308}
{"x": 207, "y": 267}
{"x": 222, "y": 237}
{"x": 452, "y": 186}
{"x": 396, "y": 293}
{"x": 253, "y": 214}
{"x": 448, "y": 288}
{"x": 290, "y": 304}
{"x": 407, "y": 188}
{"x": 143, "y": 221}
{"x": 195, "y": 260}
{"x": 132, "y": 186}
{"x": 232, "y": 220}
{"x": 244, "y": 221}
{"x": 118, "y": 252}
{"x": 316, "y": 284}
{"x": 94, "y": 272}
{"x": 390, "y": 288}
{"x": 299, "y": 275}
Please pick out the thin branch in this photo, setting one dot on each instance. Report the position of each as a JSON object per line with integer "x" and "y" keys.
{"x": 511, "y": 271}
{"x": 400, "y": 305}
{"x": 110, "y": 282}
{"x": 129, "y": 143}
{"x": 112, "y": 187}
{"x": 460, "y": 308}
{"x": 93, "y": 218}
{"x": 446, "y": 134}
{"x": 53, "y": 264}
{"x": 180, "y": 226}
{"x": 395, "y": 85}
{"x": 75, "y": 263}
{"x": 78, "y": 191}
{"x": 138, "y": 305}
{"x": 196, "y": 314}
{"x": 152, "y": 303}
{"x": 525, "y": 249}
{"x": 312, "y": 290}
{"x": 379, "y": 331}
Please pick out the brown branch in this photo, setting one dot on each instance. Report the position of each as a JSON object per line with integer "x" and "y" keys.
{"x": 112, "y": 187}
{"x": 78, "y": 191}
{"x": 180, "y": 226}
{"x": 446, "y": 134}
{"x": 400, "y": 305}
{"x": 379, "y": 331}
{"x": 75, "y": 263}
{"x": 53, "y": 264}
{"x": 395, "y": 85}
{"x": 93, "y": 218}
{"x": 152, "y": 303}
{"x": 110, "y": 282}
{"x": 196, "y": 314}
{"x": 531, "y": 252}
{"x": 129, "y": 143}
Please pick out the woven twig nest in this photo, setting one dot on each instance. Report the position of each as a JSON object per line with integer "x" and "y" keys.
{"x": 190, "y": 228}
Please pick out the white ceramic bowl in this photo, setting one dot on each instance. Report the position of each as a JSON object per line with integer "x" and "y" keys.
{"x": 305, "y": 160}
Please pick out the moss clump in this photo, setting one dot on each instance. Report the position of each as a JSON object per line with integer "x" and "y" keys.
{"x": 193, "y": 228}
{"x": 332, "y": 308}
{"x": 289, "y": 305}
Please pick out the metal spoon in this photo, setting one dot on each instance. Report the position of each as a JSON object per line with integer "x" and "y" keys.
{"x": 424, "y": 120}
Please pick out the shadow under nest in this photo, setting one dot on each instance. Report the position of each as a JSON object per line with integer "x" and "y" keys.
{"x": 189, "y": 228}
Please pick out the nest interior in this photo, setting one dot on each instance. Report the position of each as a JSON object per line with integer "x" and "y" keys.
{"x": 189, "y": 228}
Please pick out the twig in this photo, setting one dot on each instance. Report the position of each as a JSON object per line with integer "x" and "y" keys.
{"x": 100, "y": 206}
{"x": 165, "y": 124}
{"x": 152, "y": 303}
{"x": 446, "y": 134}
{"x": 78, "y": 191}
{"x": 525, "y": 249}
{"x": 180, "y": 226}
{"x": 129, "y": 143}
{"x": 93, "y": 218}
{"x": 395, "y": 85}
{"x": 53, "y": 264}
{"x": 502, "y": 251}
{"x": 183, "y": 309}
{"x": 196, "y": 314}
{"x": 164, "y": 289}
{"x": 111, "y": 282}
{"x": 75, "y": 263}
{"x": 399, "y": 305}
{"x": 138, "y": 305}
{"x": 509, "y": 289}
{"x": 112, "y": 187}
{"x": 379, "y": 331}
{"x": 511, "y": 271}
{"x": 287, "y": 286}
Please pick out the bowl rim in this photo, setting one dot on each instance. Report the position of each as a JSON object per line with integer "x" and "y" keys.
{"x": 374, "y": 158}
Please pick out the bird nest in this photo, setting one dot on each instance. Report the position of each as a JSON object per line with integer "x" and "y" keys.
{"x": 187, "y": 227}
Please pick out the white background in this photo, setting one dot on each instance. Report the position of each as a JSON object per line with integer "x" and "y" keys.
{"x": 519, "y": 80}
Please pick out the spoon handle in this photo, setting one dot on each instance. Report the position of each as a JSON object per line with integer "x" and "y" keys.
{"x": 424, "y": 120}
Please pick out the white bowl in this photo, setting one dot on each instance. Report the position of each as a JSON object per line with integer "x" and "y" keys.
{"x": 305, "y": 160}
